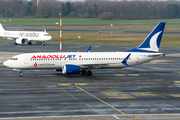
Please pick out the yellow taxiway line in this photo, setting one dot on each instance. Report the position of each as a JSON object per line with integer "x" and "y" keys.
{"x": 105, "y": 102}
{"x": 157, "y": 94}
{"x": 177, "y": 81}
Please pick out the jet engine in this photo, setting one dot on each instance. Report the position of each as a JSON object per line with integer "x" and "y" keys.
{"x": 70, "y": 69}
{"x": 20, "y": 41}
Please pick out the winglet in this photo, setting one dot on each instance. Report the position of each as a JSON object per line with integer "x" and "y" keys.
{"x": 89, "y": 50}
{"x": 124, "y": 62}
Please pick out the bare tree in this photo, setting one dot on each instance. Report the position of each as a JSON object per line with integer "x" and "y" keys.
{"x": 44, "y": 10}
{"x": 91, "y": 8}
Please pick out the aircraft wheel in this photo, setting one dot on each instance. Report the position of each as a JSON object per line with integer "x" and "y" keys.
{"x": 43, "y": 43}
{"x": 20, "y": 74}
{"x": 89, "y": 73}
{"x": 83, "y": 72}
{"x": 29, "y": 43}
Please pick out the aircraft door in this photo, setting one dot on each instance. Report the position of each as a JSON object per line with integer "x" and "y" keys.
{"x": 26, "y": 61}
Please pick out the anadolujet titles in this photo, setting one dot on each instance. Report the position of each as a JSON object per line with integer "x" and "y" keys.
{"x": 83, "y": 62}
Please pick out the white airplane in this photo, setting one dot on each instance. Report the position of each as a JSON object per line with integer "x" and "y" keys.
{"x": 21, "y": 37}
{"x": 83, "y": 62}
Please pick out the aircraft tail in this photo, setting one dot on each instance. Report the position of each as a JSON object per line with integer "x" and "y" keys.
{"x": 1, "y": 28}
{"x": 152, "y": 41}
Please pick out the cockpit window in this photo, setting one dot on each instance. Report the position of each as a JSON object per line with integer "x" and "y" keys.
{"x": 14, "y": 59}
{"x": 46, "y": 35}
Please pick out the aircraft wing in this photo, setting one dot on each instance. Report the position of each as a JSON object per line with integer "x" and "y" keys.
{"x": 10, "y": 38}
{"x": 97, "y": 65}
{"x": 89, "y": 50}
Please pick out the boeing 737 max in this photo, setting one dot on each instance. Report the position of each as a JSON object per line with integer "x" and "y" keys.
{"x": 83, "y": 62}
{"x": 21, "y": 37}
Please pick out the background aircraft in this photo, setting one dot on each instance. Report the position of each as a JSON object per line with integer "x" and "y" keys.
{"x": 83, "y": 62}
{"x": 21, "y": 37}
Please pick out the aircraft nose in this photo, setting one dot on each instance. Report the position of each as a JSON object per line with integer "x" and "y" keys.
{"x": 6, "y": 63}
{"x": 50, "y": 37}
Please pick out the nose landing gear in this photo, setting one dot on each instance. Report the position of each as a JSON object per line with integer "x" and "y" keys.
{"x": 20, "y": 73}
{"x": 43, "y": 43}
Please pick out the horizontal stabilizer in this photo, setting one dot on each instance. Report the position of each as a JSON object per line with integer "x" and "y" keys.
{"x": 156, "y": 55}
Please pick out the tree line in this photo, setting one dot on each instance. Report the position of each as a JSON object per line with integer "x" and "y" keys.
{"x": 90, "y": 9}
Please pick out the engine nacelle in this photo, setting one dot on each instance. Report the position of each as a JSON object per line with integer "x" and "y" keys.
{"x": 20, "y": 41}
{"x": 70, "y": 69}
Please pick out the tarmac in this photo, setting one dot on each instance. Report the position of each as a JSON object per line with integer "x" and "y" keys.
{"x": 26, "y": 28}
{"x": 149, "y": 91}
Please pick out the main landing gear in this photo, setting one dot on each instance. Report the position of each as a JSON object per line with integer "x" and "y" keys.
{"x": 41, "y": 42}
{"x": 86, "y": 72}
{"x": 89, "y": 73}
{"x": 29, "y": 43}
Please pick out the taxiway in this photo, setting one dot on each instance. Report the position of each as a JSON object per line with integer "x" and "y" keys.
{"x": 147, "y": 91}
{"x": 26, "y": 28}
